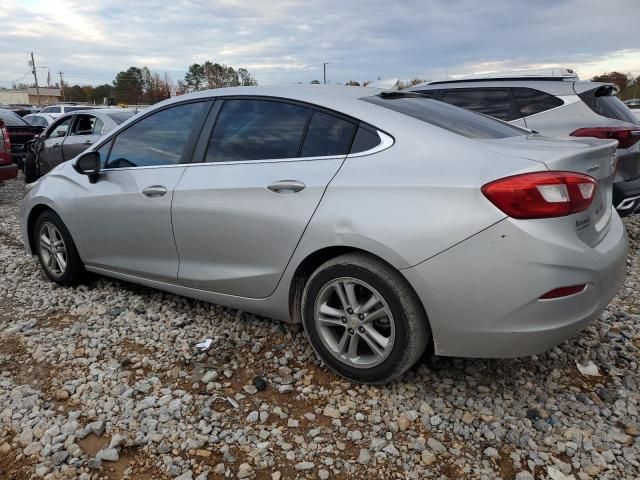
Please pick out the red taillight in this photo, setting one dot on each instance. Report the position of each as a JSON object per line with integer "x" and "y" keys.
{"x": 626, "y": 136}
{"x": 542, "y": 194}
{"x": 563, "y": 292}
{"x": 5, "y": 145}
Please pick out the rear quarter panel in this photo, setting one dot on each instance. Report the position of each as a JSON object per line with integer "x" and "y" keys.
{"x": 413, "y": 200}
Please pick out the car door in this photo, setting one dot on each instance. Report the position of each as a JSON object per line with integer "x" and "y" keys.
{"x": 239, "y": 214}
{"x": 126, "y": 214}
{"x": 50, "y": 153}
{"x": 85, "y": 131}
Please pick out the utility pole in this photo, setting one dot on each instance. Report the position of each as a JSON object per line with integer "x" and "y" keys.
{"x": 61, "y": 85}
{"x": 324, "y": 70}
{"x": 35, "y": 76}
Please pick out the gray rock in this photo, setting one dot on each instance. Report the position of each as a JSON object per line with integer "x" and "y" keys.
{"x": 108, "y": 454}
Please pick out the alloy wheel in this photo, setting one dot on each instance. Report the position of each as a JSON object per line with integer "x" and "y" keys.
{"x": 354, "y": 322}
{"x": 53, "y": 251}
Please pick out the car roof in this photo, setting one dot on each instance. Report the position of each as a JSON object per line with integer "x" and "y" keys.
{"x": 553, "y": 87}
{"x": 340, "y": 98}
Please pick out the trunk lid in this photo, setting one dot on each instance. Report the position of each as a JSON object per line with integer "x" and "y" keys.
{"x": 590, "y": 156}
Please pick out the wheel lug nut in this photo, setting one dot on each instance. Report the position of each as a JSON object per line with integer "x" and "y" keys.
{"x": 343, "y": 320}
{"x": 349, "y": 311}
{"x": 361, "y": 316}
{"x": 361, "y": 329}
{"x": 350, "y": 331}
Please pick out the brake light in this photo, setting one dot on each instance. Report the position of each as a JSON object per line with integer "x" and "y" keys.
{"x": 542, "y": 194}
{"x": 5, "y": 145}
{"x": 626, "y": 137}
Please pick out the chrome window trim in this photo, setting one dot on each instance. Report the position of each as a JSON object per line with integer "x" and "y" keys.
{"x": 385, "y": 142}
{"x": 235, "y": 162}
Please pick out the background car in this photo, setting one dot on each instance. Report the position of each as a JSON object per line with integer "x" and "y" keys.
{"x": 559, "y": 106}
{"x": 8, "y": 169}
{"x": 384, "y": 223}
{"x": 634, "y": 106}
{"x": 69, "y": 135}
{"x": 39, "y": 119}
{"x": 58, "y": 110}
{"x": 20, "y": 132}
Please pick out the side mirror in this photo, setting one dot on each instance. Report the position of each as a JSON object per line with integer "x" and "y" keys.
{"x": 60, "y": 133}
{"x": 89, "y": 164}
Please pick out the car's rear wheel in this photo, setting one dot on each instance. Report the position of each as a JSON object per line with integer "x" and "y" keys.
{"x": 363, "y": 319}
{"x": 57, "y": 251}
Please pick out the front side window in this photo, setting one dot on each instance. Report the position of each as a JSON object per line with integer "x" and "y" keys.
{"x": 327, "y": 135}
{"x": 257, "y": 130}
{"x": 51, "y": 110}
{"x": 159, "y": 139}
{"x": 495, "y": 103}
{"x": 532, "y": 101}
{"x": 87, "y": 125}
{"x": 454, "y": 119}
{"x": 60, "y": 128}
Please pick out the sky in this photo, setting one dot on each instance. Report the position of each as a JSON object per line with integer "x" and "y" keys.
{"x": 287, "y": 41}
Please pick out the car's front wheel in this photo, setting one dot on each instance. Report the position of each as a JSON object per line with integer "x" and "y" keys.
{"x": 56, "y": 250}
{"x": 363, "y": 319}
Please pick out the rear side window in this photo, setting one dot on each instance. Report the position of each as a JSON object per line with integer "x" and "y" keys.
{"x": 51, "y": 110}
{"x": 495, "y": 103}
{"x": 532, "y": 101}
{"x": 327, "y": 135}
{"x": 158, "y": 139}
{"x": 257, "y": 130}
{"x": 454, "y": 119}
{"x": 603, "y": 101}
{"x": 73, "y": 109}
{"x": 365, "y": 139}
{"x": 120, "y": 117}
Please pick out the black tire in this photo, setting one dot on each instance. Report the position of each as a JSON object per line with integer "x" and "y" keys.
{"x": 412, "y": 331}
{"x": 30, "y": 169}
{"x": 74, "y": 272}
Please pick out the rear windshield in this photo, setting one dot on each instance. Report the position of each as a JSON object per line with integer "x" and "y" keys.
{"x": 603, "y": 101}
{"x": 11, "y": 119}
{"x": 120, "y": 117}
{"x": 449, "y": 117}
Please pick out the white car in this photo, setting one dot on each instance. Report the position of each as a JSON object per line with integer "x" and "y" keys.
{"x": 57, "y": 110}
{"x": 39, "y": 119}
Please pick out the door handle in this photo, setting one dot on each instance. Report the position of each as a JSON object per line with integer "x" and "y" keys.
{"x": 154, "y": 191}
{"x": 286, "y": 186}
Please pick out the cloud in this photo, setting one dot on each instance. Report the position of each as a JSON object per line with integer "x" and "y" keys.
{"x": 287, "y": 41}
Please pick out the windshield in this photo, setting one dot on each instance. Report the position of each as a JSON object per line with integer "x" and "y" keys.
{"x": 449, "y": 117}
{"x": 603, "y": 101}
{"x": 120, "y": 117}
{"x": 11, "y": 119}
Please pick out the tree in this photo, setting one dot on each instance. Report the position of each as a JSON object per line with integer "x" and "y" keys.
{"x": 129, "y": 86}
{"x": 195, "y": 78}
{"x": 620, "y": 79}
{"x": 246, "y": 79}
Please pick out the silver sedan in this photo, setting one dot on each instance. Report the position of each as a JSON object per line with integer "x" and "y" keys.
{"x": 383, "y": 222}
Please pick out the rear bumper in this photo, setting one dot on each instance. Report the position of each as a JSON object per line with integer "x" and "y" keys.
{"x": 626, "y": 197}
{"x": 8, "y": 172}
{"x": 482, "y": 295}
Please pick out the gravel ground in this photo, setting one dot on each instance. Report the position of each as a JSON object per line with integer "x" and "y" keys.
{"x": 103, "y": 381}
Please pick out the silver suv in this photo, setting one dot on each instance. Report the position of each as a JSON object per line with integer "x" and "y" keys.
{"x": 558, "y": 104}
